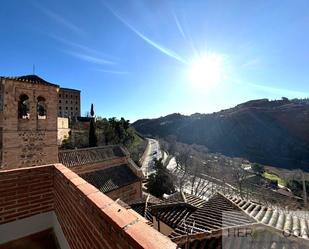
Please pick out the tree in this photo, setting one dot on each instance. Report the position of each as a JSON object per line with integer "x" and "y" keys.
{"x": 91, "y": 111}
{"x": 160, "y": 182}
{"x": 239, "y": 176}
{"x": 258, "y": 168}
{"x": 93, "y": 140}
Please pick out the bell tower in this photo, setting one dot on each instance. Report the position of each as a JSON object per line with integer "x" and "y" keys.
{"x": 28, "y": 122}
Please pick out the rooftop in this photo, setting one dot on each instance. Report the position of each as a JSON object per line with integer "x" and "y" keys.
{"x": 79, "y": 157}
{"x": 34, "y": 79}
{"x": 192, "y": 200}
{"x": 69, "y": 89}
{"x": 111, "y": 178}
{"x": 298, "y": 222}
{"x": 210, "y": 217}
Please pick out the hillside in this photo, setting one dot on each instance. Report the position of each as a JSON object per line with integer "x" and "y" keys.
{"x": 269, "y": 132}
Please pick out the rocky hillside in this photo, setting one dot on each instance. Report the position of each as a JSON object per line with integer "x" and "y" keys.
{"x": 269, "y": 132}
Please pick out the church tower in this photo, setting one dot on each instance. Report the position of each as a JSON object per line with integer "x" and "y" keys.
{"x": 28, "y": 122}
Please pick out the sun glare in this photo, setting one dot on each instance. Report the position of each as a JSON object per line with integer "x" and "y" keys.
{"x": 206, "y": 71}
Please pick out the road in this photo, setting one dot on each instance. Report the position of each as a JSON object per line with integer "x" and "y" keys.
{"x": 202, "y": 185}
{"x": 153, "y": 152}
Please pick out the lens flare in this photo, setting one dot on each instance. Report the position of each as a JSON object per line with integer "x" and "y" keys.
{"x": 206, "y": 71}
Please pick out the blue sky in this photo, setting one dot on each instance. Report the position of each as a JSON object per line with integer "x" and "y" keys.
{"x": 131, "y": 58}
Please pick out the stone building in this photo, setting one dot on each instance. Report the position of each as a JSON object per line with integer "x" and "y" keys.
{"x": 28, "y": 121}
{"x": 63, "y": 129}
{"x": 69, "y": 103}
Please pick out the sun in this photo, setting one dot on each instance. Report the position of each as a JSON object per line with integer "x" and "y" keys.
{"x": 206, "y": 71}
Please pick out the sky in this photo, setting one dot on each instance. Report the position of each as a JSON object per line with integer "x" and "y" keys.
{"x": 149, "y": 58}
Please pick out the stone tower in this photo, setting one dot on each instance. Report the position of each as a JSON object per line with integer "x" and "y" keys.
{"x": 28, "y": 122}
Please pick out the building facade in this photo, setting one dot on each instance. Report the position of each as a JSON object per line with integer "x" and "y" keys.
{"x": 63, "y": 129}
{"x": 69, "y": 103}
{"x": 28, "y": 121}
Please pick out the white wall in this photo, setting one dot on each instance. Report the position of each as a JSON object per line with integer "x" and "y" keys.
{"x": 32, "y": 225}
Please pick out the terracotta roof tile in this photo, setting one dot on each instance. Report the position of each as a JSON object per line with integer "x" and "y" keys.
{"x": 78, "y": 157}
{"x": 216, "y": 214}
{"x": 186, "y": 198}
{"x": 110, "y": 179}
{"x": 297, "y": 222}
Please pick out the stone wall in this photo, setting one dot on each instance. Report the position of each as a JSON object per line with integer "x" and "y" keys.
{"x": 63, "y": 129}
{"x": 31, "y": 141}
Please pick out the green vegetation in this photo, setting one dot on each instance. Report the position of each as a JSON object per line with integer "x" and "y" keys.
{"x": 137, "y": 147}
{"x": 93, "y": 140}
{"x": 274, "y": 177}
{"x": 114, "y": 131}
{"x": 258, "y": 168}
{"x": 160, "y": 182}
{"x": 101, "y": 131}
{"x": 91, "y": 111}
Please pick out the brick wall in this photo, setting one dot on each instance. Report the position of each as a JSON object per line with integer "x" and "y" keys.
{"x": 24, "y": 193}
{"x": 88, "y": 218}
{"x": 33, "y": 141}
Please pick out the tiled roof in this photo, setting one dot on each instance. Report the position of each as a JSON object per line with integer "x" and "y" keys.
{"x": 171, "y": 211}
{"x": 186, "y": 198}
{"x": 78, "y": 157}
{"x": 172, "y": 214}
{"x": 296, "y": 222}
{"x": 143, "y": 205}
{"x": 216, "y": 214}
{"x": 111, "y": 178}
{"x": 260, "y": 237}
{"x": 34, "y": 79}
{"x": 142, "y": 209}
{"x": 146, "y": 197}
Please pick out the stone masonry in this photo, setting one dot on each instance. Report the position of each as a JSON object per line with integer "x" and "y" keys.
{"x": 31, "y": 139}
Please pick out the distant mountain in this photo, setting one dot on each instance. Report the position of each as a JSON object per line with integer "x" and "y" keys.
{"x": 269, "y": 132}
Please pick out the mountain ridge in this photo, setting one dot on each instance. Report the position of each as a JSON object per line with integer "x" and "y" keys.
{"x": 272, "y": 132}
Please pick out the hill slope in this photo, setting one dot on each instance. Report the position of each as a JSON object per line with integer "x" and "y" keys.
{"x": 268, "y": 132}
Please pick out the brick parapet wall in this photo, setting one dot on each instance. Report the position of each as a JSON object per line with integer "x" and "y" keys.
{"x": 88, "y": 218}
{"x": 25, "y": 192}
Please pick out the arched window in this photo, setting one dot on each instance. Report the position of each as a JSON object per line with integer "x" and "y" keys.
{"x": 41, "y": 108}
{"x": 23, "y": 107}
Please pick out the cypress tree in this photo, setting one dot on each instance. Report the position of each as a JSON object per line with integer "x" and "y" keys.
{"x": 93, "y": 140}
{"x": 92, "y": 134}
{"x": 91, "y": 111}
